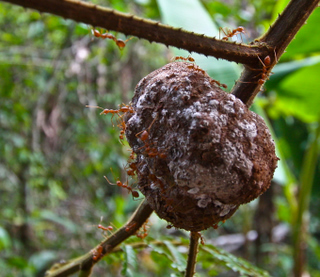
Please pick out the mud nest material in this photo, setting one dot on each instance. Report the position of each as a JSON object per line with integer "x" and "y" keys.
{"x": 200, "y": 151}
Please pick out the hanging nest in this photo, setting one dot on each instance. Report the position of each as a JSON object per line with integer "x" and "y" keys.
{"x": 200, "y": 152}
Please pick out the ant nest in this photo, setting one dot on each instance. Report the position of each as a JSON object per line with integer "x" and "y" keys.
{"x": 200, "y": 152}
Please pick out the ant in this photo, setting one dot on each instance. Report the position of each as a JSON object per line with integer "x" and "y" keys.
{"x": 106, "y": 111}
{"x": 120, "y": 43}
{"x": 203, "y": 72}
{"x": 230, "y": 33}
{"x": 134, "y": 193}
{"x": 265, "y": 63}
{"x": 215, "y": 226}
{"x": 97, "y": 253}
{"x": 103, "y": 228}
{"x": 123, "y": 127}
{"x": 197, "y": 68}
{"x": 150, "y": 150}
{"x": 264, "y": 74}
{"x": 219, "y": 84}
{"x": 130, "y": 226}
{"x": 109, "y": 228}
{"x": 105, "y": 35}
{"x": 189, "y": 58}
{"x": 201, "y": 238}
{"x": 122, "y": 109}
{"x": 131, "y": 168}
{"x": 143, "y": 232}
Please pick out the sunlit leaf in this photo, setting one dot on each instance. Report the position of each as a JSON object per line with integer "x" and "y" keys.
{"x": 283, "y": 70}
{"x": 299, "y": 94}
{"x": 42, "y": 259}
{"x": 179, "y": 260}
{"x": 65, "y": 222}
{"x": 5, "y": 241}
{"x": 192, "y": 16}
{"x": 130, "y": 261}
{"x": 234, "y": 263}
{"x": 306, "y": 41}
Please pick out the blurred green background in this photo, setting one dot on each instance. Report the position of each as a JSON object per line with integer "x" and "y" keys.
{"x": 54, "y": 151}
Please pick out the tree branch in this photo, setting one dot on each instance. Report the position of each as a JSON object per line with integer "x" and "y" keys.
{"x": 147, "y": 29}
{"x": 87, "y": 261}
{"x": 277, "y": 39}
{"x": 272, "y": 44}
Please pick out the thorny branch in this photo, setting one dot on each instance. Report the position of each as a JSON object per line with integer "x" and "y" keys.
{"x": 152, "y": 31}
{"x": 272, "y": 44}
{"x": 256, "y": 72}
{"x": 87, "y": 261}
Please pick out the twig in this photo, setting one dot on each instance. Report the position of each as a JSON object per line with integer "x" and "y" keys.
{"x": 193, "y": 251}
{"x": 147, "y": 29}
{"x": 86, "y": 262}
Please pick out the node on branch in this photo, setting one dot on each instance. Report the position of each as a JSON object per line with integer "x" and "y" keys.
{"x": 200, "y": 152}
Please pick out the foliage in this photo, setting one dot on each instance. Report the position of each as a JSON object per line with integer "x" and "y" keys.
{"x": 54, "y": 151}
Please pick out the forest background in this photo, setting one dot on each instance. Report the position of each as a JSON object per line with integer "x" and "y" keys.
{"x": 54, "y": 151}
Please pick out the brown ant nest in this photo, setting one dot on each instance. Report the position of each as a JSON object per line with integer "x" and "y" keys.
{"x": 200, "y": 151}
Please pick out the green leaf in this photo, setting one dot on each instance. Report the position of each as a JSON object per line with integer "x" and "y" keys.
{"x": 299, "y": 94}
{"x": 42, "y": 259}
{"x": 192, "y": 16}
{"x": 179, "y": 260}
{"x": 306, "y": 41}
{"x": 234, "y": 263}
{"x": 283, "y": 70}
{"x": 130, "y": 261}
{"x": 65, "y": 222}
{"x": 5, "y": 241}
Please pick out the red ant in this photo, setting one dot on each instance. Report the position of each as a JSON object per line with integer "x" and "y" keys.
{"x": 132, "y": 156}
{"x": 100, "y": 35}
{"x": 218, "y": 83}
{"x": 130, "y": 226}
{"x": 105, "y": 111}
{"x": 120, "y": 43}
{"x": 264, "y": 75}
{"x": 215, "y": 226}
{"x": 134, "y": 193}
{"x": 201, "y": 238}
{"x": 97, "y": 253}
{"x": 131, "y": 171}
{"x": 265, "y": 63}
{"x": 230, "y": 33}
{"x": 143, "y": 232}
{"x": 109, "y": 228}
{"x": 122, "y": 109}
{"x": 197, "y": 68}
{"x": 189, "y": 58}
{"x": 123, "y": 127}
{"x": 149, "y": 150}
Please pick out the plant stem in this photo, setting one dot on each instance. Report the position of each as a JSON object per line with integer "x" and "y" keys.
{"x": 300, "y": 228}
{"x": 86, "y": 262}
{"x": 193, "y": 251}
